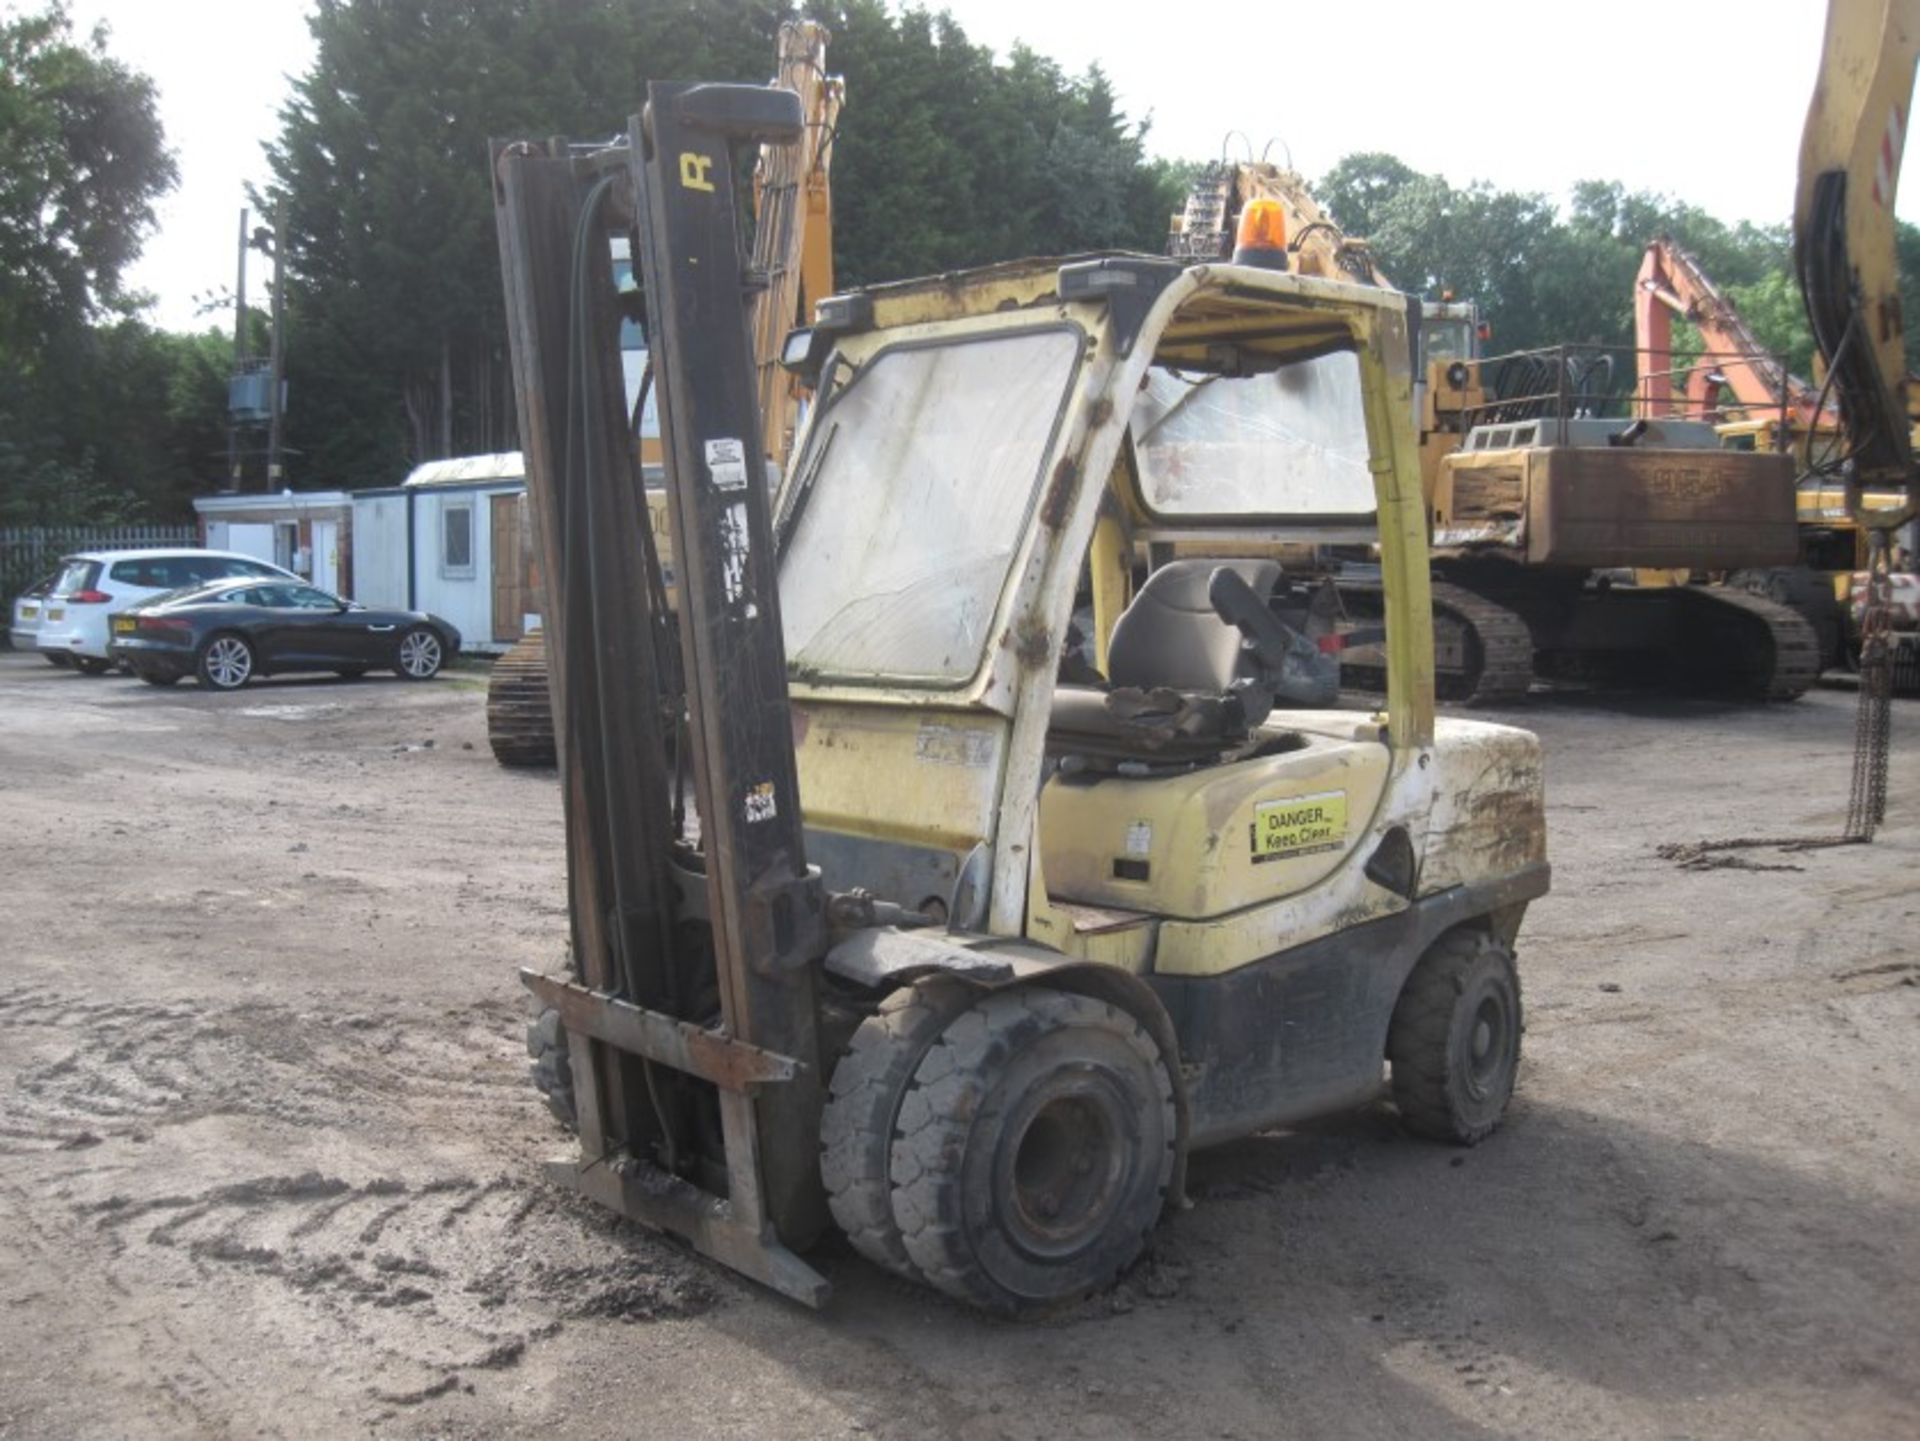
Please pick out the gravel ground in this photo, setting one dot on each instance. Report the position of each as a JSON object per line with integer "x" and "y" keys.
{"x": 269, "y": 1164}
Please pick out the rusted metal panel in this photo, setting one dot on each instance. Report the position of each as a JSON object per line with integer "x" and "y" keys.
{"x": 1593, "y": 508}
{"x": 732, "y": 1065}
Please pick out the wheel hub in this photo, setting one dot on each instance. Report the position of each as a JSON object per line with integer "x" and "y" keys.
{"x": 1066, "y": 1169}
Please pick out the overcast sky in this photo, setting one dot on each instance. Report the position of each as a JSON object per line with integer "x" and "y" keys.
{"x": 1701, "y": 101}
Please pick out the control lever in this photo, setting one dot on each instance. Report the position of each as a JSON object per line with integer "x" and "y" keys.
{"x": 1294, "y": 668}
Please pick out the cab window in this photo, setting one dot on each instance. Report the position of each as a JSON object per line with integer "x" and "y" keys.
{"x": 1288, "y": 442}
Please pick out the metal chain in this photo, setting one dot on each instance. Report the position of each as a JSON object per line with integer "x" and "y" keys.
{"x": 1873, "y": 723}
{"x": 1872, "y": 740}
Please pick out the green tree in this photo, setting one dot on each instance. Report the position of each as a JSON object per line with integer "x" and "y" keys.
{"x": 83, "y": 389}
{"x": 82, "y": 161}
{"x": 944, "y": 157}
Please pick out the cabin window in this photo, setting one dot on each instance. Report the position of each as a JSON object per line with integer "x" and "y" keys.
{"x": 456, "y": 541}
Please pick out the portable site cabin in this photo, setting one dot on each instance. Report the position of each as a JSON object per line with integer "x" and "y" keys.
{"x": 453, "y": 539}
{"x": 309, "y": 532}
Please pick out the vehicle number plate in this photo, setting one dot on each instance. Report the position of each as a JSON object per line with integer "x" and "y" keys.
{"x": 123, "y": 625}
{"x": 1299, "y": 825}
{"x": 56, "y": 613}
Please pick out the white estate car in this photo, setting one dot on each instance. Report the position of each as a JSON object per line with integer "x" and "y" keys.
{"x": 76, "y": 617}
{"x": 25, "y": 626}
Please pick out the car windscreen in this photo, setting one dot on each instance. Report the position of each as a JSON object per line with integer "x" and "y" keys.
{"x": 910, "y": 501}
{"x": 75, "y": 574}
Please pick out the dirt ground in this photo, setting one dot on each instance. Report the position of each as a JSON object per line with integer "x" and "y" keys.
{"x": 269, "y": 1164}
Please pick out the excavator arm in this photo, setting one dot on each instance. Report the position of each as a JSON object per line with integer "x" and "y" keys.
{"x": 1844, "y": 239}
{"x": 1672, "y": 283}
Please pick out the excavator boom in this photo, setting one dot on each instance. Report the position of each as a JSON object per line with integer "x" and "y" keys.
{"x": 1844, "y": 237}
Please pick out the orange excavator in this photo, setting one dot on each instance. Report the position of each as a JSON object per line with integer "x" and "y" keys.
{"x": 793, "y": 260}
{"x": 1671, "y": 283}
{"x": 1755, "y": 401}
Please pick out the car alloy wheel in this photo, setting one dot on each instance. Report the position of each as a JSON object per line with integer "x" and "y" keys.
{"x": 228, "y": 663}
{"x": 420, "y": 654}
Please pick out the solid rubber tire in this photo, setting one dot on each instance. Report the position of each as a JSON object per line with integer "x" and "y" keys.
{"x": 1430, "y": 1037}
{"x": 552, "y": 1067}
{"x": 947, "y": 1202}
{"x": 863, "y": 1103}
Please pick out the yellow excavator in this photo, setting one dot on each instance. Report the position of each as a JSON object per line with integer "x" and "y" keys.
{"x": 1549, "y": 514}
{"x": 1847, "y": 263}
{"x": 793, "y": 264}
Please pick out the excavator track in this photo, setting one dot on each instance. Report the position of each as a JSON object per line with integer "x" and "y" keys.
{"x": 1743, "y": 646}
{"x": 1483, "y": 652}
{"x": 519, "y": 708}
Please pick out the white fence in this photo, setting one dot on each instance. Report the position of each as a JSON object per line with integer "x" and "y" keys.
{"x": 29, "y": 552}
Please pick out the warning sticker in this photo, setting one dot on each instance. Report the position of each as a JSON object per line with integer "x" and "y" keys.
{"x": 1140, "y": 839}
{"x": 727, "y": 464}
{"x": 760, "y": 804}
{"x": 1299, "y": 826}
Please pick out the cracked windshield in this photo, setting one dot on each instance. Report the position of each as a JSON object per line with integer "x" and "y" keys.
{"x": 912, "y": 497}
{"x": 1291, "y": 442}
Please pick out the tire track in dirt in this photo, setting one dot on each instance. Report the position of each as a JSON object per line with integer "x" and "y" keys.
{"x": 424, "y": 1283}
{"x": 94, "y": 1069}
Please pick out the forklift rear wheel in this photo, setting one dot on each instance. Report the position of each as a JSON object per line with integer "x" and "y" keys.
{"x": 1034, "y": 1150}
{"x": 1454, "y": 1042}
{"x": 552, "y": 1067}
{"x": 856, "y": 1130}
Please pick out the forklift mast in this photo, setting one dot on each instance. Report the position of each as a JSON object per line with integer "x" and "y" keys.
{"x": 691, "y": 1017}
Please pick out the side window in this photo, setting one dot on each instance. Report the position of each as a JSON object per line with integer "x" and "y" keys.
{"x": 220, "y": 567}
{"x": 309, "y": 598}
{"x": 279, "y": 597}
{"x": 136, "y": 572}
{"x": 456, "y": 540}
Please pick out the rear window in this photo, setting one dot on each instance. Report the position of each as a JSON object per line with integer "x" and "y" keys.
{"x": 75, "y": 575}
{"x": 156, "y": 572}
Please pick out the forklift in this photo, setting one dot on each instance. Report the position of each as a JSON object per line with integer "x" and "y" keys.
{"x": 925, "y": 880}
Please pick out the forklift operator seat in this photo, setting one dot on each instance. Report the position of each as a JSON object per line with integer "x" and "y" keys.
{"x": 1171, "y": 636}
{"x": 1172, "y": 664}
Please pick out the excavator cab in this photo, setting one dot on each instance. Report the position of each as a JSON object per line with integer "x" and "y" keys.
{"x": 939, "y": 950}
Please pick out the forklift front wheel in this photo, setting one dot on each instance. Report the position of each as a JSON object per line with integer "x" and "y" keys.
{"x": 552, "y": 1067}
{"x": 1033, "y": 1150}
{"x": 863, "y": 1107}
{"x": 1454, "y": 1042}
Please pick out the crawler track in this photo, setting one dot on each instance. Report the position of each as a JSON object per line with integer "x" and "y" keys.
{"x": 1483, "y": 652}
{"x": 519, "y": 707}
{"x": 1742, "y": 646}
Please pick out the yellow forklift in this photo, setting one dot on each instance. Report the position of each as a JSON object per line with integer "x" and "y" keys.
{"x": 876, "y": 922}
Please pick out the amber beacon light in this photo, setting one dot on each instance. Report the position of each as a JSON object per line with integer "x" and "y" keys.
{"x": 1262, "y": 237}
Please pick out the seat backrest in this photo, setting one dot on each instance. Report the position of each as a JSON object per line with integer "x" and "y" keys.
{"x": 1170, "y": 636}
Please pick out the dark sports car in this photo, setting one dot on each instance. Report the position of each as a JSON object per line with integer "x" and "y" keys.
{"x": 229, "y": 631}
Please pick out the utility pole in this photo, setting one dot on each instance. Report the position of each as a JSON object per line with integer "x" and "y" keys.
{"x": 277, "y": 353}
{"x": 239, "y": 353}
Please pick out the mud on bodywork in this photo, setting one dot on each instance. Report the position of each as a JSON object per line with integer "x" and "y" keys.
{"x": 1489, "y": 804}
